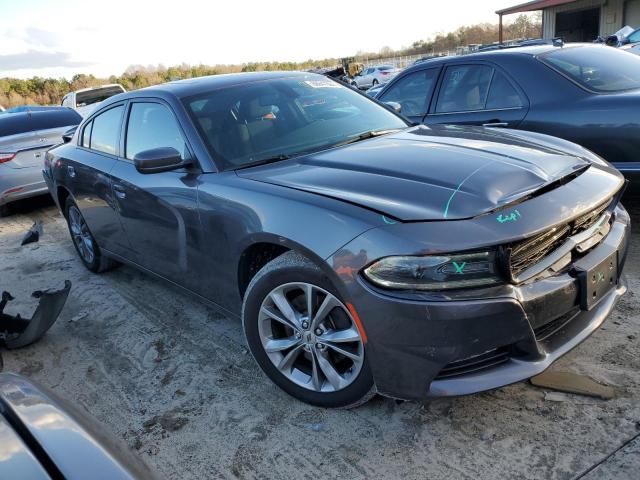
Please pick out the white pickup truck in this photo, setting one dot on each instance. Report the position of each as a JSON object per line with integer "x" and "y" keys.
{"x": 86, "y": 100}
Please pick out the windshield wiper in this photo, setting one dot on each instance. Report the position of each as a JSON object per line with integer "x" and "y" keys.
{"x": 365, "y": 136}
{"x": 264, "y": 161}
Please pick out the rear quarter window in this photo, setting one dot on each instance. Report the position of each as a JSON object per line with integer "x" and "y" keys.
{"x": 599, "y": 69}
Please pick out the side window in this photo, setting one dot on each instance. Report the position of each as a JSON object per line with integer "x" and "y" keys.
{"x": 152, "y": 125}
{"x": 413, "y": 91}
{"x": 86, "y": 135}
{"x": 104, "y": 134}
{"x": 464, "y": 88}
{"x": 502, "y": 94}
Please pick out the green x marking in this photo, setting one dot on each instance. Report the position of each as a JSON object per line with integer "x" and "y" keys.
{"x": 459, "y": 267}
{"x": 600, "y": 276}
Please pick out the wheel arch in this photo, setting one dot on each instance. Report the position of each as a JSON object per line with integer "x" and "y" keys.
{"x": 261, "y": 249}
{"x": 62, "y": 194}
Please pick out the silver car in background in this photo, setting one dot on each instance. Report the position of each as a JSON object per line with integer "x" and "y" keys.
{"x": 372, "y": 76}
{"x": 24, "y": 139}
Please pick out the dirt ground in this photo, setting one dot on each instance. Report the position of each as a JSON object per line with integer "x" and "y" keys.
{"x": 174, "y": 379}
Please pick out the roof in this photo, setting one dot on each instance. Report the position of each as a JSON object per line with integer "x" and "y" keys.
{"x": 532, "y": 6}
{"x": 194, "y": 86}
{"x": 489, "y": 54}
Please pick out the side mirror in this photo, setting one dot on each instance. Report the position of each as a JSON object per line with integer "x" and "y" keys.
{"x": 68, "y": 135}
{"x": 158, "y": 160}
{"x": 395, "y": 106}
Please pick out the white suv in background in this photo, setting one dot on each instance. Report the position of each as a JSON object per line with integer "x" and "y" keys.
{"x": 86, "y": 100}
{"x": 372, "y": 76}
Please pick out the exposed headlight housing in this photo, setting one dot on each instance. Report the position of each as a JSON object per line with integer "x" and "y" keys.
{"x": 434, "y": 272}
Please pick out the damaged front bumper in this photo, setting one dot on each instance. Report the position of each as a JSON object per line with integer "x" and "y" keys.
{"x": 17, "y": 332}
{"x": 423, "y": 345}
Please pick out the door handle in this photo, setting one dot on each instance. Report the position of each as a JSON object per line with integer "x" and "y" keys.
{"x": 496, "y": 124}
{"x": 119, "y": 191}
{"x": 71, "y": 171}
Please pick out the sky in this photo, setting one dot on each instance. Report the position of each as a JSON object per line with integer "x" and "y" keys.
{"x": 62, "y": 38}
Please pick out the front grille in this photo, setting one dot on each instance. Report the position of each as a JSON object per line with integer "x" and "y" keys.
{"x": 548, "y": 329}
{"x": 475, "y": 364}
{"x": 530, "y": 251}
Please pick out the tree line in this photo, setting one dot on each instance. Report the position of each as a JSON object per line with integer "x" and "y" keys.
{"x": 49, "y": 91}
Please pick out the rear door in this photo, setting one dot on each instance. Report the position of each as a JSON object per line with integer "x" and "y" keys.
{"x": 413, "y": 91}
{"x": 159, "y": 211}
{"x": 88, "y": 176}
{"x": 478, "y": 94}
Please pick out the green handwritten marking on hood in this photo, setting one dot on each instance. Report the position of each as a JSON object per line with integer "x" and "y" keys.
{"x": 512, "y": 217}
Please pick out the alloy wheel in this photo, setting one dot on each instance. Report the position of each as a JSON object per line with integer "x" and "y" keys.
{"x": 310, "y": 336}
{"x": 81, "y": 235}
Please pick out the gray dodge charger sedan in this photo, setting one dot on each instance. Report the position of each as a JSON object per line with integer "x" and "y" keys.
{"x": 363, "y": 255}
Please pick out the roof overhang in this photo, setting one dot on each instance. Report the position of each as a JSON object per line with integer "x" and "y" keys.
{"x": 532, "y": 6}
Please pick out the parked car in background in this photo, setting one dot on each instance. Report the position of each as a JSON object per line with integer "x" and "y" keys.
{"x": 374, "y": 91}
{"x": 43, "y": 437}
{"x": 632, "y": 43}
{"x": 28, "y": 108}
{"x": 372, "y": 76}
{"x": 84, "y": 101}
{"x": 586, "y": 93}
{"x": 363, "y": 255}
{"x": 24, "y": 139}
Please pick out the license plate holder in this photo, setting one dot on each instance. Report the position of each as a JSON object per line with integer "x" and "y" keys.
{"x": 596, "y": 282}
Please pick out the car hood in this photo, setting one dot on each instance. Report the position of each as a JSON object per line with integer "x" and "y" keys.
{"x": 429, "y": 173}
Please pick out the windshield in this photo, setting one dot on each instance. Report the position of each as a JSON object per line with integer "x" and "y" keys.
{"x": 634, "y": 37}
{"x": 283, "y": 117}
{"x": 602, "y": 69}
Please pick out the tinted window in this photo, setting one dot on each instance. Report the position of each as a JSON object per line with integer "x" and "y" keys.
{"x": 104, "y": 134}
{"x": 152, "y": 125}
{"x": 285, "y": 116}
{"x": 602, "y": 69}
{"x": 63, "y": 117}
{"x": 502, "y": 93}
{"x": 413, "y": 91}
{"x": 464, "y": 88}
{"x": 86, "y": 135}
{"x": 384, "y": 68}
{"x": 15, "y": 123}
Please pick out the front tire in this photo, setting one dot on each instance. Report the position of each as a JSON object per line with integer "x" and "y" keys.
{"x": 303, "y": 336}
{"x": 86, "y": 245}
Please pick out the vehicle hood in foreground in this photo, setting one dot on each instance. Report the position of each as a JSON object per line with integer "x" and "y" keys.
{"x": 429, "y": 173}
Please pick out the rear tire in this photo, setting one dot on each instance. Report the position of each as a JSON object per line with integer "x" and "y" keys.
{"x": 5, "y": 210}
{"x": 301, "y": 353}
{"x": 84, "y": 242}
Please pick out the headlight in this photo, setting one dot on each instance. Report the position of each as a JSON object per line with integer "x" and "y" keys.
{"x": 441, "y": 272}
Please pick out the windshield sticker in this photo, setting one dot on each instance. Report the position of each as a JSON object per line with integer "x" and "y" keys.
{"x": 321, "y": 84}
{"x": 512, "y": 217}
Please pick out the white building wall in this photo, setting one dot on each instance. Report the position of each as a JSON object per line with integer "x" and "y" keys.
{"x": 611, "y": 15}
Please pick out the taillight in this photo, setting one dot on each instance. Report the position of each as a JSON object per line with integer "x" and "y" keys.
{"x": 6, "y": 157}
